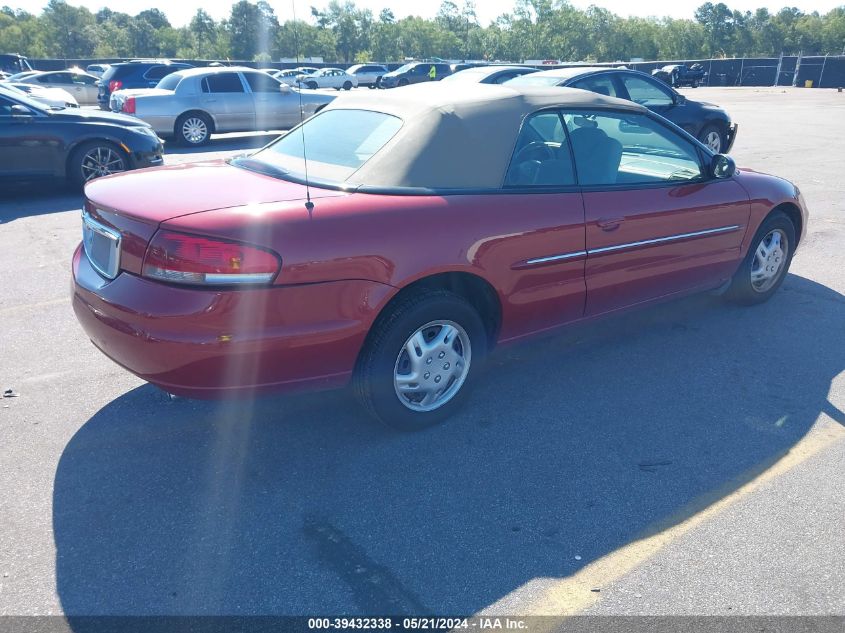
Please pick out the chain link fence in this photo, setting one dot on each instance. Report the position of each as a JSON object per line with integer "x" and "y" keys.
{"x": 824, "y": 71}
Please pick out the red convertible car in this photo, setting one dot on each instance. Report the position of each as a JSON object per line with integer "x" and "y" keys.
{"x": 392, "y": 241}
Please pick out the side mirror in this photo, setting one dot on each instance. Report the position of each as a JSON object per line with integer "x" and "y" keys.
{"x": 722, "y": 166}
{"x": 680, "y": 99}
{"x": 284, "y": 88}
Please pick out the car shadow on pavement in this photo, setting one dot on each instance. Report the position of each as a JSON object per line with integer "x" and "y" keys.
{"x": 224, "y": 143}
{"x": 571, "y": 446}
{"x": 26, "y": 199}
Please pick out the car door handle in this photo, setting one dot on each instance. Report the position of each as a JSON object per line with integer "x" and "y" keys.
{"x": 210, "y": 100}
{"x": 609, "y": 224}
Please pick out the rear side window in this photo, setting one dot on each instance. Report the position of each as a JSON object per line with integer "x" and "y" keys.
{"x": 601, "y": 84}
{"x": 260, "y": 82}
{"x": 506, "y": 76}
{"x": 223, "y": 82}
{"x": 541, "y": 157}
{"x": 646, "y": 92}
{"x": 615, "y": 148}
{"x": 159, "y": 72}
{"x": 338, "y": 142}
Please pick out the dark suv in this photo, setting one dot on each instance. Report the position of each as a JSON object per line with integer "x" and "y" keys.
{"x": 14, "y": 64}
{"x": 134, "y": 74}
{"x": 414, "y": 73}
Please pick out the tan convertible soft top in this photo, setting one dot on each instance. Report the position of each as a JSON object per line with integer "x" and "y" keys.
{"x": 456, "y": 136}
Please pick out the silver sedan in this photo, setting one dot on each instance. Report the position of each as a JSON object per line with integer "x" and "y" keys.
{"x": 191, "y": 104}
{"x": 80, "y": 84}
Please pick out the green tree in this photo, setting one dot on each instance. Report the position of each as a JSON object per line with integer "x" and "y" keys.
{"x": 251, "y": 29}
{"x": 718, "y": 23}
{"x": 66, "y": 30}
{"x": 204, "y": 32}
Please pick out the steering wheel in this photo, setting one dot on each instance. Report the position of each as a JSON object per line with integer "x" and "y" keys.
{"x": 533, "y": 146}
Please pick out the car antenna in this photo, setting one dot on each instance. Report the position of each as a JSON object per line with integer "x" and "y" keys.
{"x": 308, "y": 204}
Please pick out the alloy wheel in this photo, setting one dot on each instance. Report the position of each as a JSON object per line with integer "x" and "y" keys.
{"x": 713, "y": 140}
{"x": 769, "y": 259}
{"x": 432, "y": 366}
{"x": 194, "y": 130}
{"x": 101, "y": 161}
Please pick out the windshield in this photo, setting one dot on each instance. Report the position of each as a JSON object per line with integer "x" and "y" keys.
{"x": 404, "y": 69}
{"x": 535, "y": 80}
{"x": 338, "y": 143}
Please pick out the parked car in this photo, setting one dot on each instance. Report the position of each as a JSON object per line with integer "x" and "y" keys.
{"x": 78, "y": 83}
{"x": 561, "y": 205}
{"x": 134, "y": 74}
{"x": 707, "y": 122}
{"x": 288, "y": 76}
{"x": 368, "y": 74}
{"x": 678, "y": 75}
{"x": 51, "y": 97}
{"x": 414, "y": 73}
{"x": 329, "y": 78}
{"x": 458, "y": 67}
{"x": 97, "y": 69}
{"x": 12, "y": 64}
{"x": 306, "y": 70}
{"x": 489, "y": 74}
{"x": 37, "y": 141}
{"x": 190, "y": 105}
{"x": 23, "y": 75}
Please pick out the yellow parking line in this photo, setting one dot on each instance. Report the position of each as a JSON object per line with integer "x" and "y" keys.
{"x": 573, "y": 594}
{"x": 32, "y": 306}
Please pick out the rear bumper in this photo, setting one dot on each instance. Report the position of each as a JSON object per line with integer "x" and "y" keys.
{"x": 730, "y": 137}
{"x": 216, "y": 343}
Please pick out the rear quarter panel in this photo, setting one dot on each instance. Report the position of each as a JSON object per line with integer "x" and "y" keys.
{"x": 396, "y": 240}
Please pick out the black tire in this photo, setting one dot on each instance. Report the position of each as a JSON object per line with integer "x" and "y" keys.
{"x": 182, "y": 134}
{"x": 742, "y": 290}
{"x": 403, "y": 82}
{"x": 705, "y": 135}
{"x": 80, "y": 165}
{"x": 312, "y": 85}
{"x": 373, "y": 381}
{"x": 347, "y": 85}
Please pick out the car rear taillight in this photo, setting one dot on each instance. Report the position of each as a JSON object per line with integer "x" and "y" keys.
{"x": 128, "y": 106}
{"x": 194, "y": 259}
{"x": 115, "y": 84}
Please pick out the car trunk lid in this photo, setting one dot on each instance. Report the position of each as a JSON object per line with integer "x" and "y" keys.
{"x": 134, "y": 205}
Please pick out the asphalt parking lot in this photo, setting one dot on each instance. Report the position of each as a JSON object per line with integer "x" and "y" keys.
{"x": 686, "y": 459}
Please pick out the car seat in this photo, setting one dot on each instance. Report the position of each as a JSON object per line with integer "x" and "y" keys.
{"x": 597, "y": 156}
